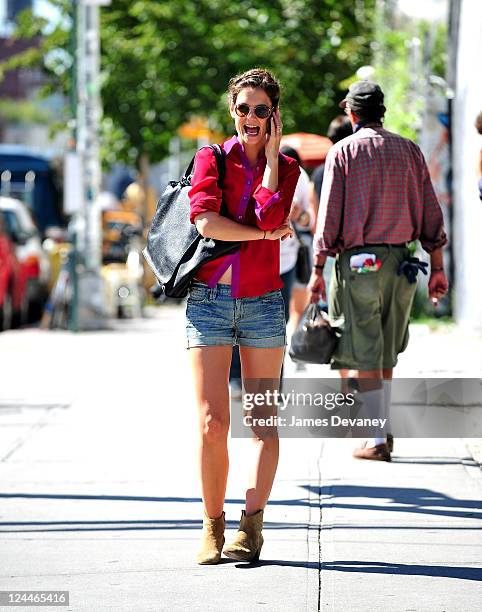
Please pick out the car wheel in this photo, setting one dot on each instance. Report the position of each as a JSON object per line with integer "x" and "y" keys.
{"x": 6, "y": 313}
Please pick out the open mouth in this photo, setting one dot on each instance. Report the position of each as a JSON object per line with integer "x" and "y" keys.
{"x": 251, "y": 130}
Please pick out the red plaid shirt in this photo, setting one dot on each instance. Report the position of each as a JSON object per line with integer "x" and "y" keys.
{"x": 255, "y": 267}
{"x": 377, "y": 190}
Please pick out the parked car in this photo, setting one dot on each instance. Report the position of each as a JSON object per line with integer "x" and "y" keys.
{"x": 18, "y": 163}
{"x": 122, "y": 268}
{"x": 13, "y": 283}
{"x": 29, "y": 251}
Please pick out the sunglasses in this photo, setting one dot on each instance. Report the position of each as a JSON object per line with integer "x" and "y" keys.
{"x": 260, "y": 110}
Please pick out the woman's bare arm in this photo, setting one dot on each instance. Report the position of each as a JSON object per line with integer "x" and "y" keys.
{"x": 213, "y": 225}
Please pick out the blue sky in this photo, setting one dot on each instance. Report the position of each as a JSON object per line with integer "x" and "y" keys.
{"x": 42, "y": 7}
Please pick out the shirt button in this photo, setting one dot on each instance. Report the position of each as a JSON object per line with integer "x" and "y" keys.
{"x": 245, "y": 197}
{"x": 249, "y": 182}
{"x": 240, "y": 217}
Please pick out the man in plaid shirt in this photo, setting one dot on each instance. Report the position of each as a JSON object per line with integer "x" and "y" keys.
{"x": 376, "y": 197}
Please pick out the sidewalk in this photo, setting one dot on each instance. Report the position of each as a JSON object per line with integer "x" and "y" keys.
{"x": 100, "y": 494}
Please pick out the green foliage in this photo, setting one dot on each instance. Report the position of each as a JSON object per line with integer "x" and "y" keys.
{"x": 18, "y": 111}
{"x": 163, "y": 62}
{"x": 437, "y": 51}
{"x": 406, "y": 53}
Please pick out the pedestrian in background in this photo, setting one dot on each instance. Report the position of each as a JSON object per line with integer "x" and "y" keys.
{"x": 478, "y": 125}
{"x": 339, "y": 128}
{"x": 236, "y": 299}
{"x": 376, "y": 197}
{"x": 294, "y": 292}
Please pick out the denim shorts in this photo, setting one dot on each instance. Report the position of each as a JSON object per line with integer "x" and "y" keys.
{"x": 214, "y": 318}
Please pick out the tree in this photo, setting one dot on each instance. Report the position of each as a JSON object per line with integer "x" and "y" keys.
{"x": 164, "y": 62}
{"x": 407, "y": 52}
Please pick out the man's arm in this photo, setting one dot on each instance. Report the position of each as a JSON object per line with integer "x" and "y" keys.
{"x": 316, "y": 283}
{"x": 433, "y": 238}
{"x": 438, "y": 284}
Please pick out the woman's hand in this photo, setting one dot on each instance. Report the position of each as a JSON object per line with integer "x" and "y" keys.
{"x": 273, "y": 140}
{"x": 295, "y": 212}
{"x": 283, "y": 232}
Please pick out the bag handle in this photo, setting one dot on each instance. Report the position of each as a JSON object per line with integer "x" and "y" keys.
{"x": 297, "y": 234}
{"x": 220, "y": 162}
{"x": 315, "y": 314}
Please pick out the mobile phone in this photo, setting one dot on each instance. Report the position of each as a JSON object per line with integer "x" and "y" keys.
{"x": 268, "y": 127}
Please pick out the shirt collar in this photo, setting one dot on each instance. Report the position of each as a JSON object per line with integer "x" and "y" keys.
{"x": 233, "y": 142}
{"x": 229, "y": 144}
{"x": 363, "y": 124}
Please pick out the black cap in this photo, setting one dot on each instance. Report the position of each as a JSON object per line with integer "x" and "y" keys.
{"x": 363, "y": 95}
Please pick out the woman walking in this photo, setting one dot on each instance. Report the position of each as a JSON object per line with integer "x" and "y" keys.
{"x": 236, "y": 299}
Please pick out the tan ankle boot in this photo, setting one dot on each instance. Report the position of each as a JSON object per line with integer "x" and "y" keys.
{"x": 212, "y": 540}
{"x": 249, "y": 539}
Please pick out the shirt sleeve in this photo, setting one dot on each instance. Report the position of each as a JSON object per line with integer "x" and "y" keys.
{"x": 205, "y": 194}
{"x": 273, "y": 207}
{"x": 330, "y": 215}
{"x": 433, "y": 235}
{"x": 302, "y": 191}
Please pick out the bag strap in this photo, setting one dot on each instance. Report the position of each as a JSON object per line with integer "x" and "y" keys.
{"x": 221, "y": 163}
{"x": 297, "y": 234}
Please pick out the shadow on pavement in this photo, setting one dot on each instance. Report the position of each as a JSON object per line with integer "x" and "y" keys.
{"x": 376, "y": 567}
{"x": 314, "y": 565}
{"x": 387, "y": 499}
{"x": 125, "y": 525}
{"x": 437, "y": 461}
{"x": 399, "y": 499}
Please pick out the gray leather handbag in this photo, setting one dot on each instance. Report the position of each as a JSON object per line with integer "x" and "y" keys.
{"x": 175, "y": 250}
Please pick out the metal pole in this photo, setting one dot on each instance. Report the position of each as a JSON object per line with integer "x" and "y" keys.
{"x": 90, "y": 285}
{"x": 73, "y": 224}
{"x": 453, "y": 44}
{"x": 90, "y": 132}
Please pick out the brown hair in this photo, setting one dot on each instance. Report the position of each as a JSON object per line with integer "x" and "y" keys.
{"x": 257, "y": 78}
{"x": 339, "y": 128}
{"x": 478, "y": 123}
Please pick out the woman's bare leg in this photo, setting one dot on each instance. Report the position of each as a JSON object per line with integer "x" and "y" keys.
{"x": 300, "y": 298}
{"x": 210, "y": 368}
{"x": 262, "y": 363}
